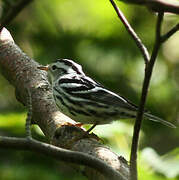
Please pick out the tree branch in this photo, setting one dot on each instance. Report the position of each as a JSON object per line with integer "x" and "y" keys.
{"x": 166, "y": 36}
{"x": 171, "y": 6}
{"x": 61, "y": 154}
{"x": 22, "y": 73}
{"x": 13, "y": 12}
{"x": 148, "y": 73}
{"x": 132, "y": 33}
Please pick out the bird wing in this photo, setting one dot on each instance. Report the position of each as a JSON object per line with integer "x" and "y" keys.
{"x": 107, "y": 97}
{"x": 95, "y": 92}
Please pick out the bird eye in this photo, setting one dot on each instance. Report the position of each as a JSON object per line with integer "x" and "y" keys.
{"x": 54, "y": 67}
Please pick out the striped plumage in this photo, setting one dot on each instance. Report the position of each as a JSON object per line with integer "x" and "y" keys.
{"x": 85, "y": 100}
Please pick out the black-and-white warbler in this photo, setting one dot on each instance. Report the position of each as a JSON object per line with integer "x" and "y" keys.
{"x": 85, "y": 100}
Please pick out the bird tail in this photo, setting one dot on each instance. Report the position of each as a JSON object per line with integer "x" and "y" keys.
{"x": 157, "y": 119}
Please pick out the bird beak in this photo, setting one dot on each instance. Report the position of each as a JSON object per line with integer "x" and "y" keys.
{"x": 44, "y": 68}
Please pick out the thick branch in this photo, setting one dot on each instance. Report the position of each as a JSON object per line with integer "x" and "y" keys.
{"x": 22, "y": 73}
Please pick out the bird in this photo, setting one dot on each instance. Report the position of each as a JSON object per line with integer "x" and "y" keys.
{"x": 87, "y": 101}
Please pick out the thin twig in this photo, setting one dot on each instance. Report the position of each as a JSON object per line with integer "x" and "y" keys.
{"x": 148, "y": 73}
{"x": 170, "y": 33}
{"x": 13, "y": 12}
{"x": 132, "y": 33}
{"x": 61, "y": 154}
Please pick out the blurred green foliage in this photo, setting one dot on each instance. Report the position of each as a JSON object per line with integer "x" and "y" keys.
{"x": 90, "y": 33}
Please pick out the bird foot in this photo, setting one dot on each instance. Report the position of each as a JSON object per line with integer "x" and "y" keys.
{"x": 71, "y": 124}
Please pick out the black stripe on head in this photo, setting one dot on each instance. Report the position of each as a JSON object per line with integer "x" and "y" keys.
{"x": 71, "y": 64}
{"x": 76, "y": 69}
{"x": 65, "y": 61}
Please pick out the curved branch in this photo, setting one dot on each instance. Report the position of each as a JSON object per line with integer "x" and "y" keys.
{"x": 132, "y": 33}
{"x": 61, "y": 154}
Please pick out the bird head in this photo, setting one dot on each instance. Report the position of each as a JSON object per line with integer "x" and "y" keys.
{"x": 60, "y": 68}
